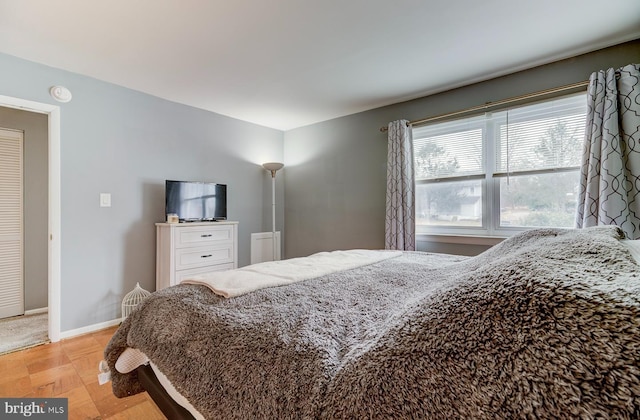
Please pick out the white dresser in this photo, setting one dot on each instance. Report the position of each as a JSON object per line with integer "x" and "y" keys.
{"x": 187, "y": 249}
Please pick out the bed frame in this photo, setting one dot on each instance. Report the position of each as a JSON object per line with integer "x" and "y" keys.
{"x": 171, "y": 409}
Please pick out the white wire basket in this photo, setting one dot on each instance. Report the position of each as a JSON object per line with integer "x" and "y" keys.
{"x": 132, "y": 299}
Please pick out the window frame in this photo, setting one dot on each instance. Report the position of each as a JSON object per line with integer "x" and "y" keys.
{"x": 490, "y": 181}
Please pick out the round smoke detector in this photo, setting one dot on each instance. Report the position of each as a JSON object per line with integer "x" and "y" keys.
{"x": 60, "y": 93}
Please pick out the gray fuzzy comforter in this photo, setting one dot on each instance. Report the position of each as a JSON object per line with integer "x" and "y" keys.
{"x": 544, "y": 325}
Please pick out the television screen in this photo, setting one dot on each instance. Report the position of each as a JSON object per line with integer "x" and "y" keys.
{"x": 196, "y": 201}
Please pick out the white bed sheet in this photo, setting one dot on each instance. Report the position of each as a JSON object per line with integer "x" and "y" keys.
{"x": 173, "y": 393}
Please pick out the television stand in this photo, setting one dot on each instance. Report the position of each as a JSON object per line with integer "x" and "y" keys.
{"x": 188, "y": 249}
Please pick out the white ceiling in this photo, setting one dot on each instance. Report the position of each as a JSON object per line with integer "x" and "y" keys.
{"x": 289, "y": 63}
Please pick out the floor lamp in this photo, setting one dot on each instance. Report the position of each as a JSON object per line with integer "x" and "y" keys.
{"x": 273, "y": 167}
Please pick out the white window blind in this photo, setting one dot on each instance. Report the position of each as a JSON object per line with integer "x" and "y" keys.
{"x": 541, "y": 136}
{"x": 451, "y": 149}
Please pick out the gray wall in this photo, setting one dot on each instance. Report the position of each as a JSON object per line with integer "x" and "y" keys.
{"x": 35, "y": 190}
{"x": 336, "y": 170}
{"x": 127, "y": 143}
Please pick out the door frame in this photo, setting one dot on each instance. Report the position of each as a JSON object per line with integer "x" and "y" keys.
{"x": 54, "y": 252}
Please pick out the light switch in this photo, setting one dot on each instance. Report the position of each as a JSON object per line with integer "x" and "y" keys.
{"x": 105, "y": 200}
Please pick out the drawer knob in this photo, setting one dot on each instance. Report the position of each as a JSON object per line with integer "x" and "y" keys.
{"x": 206, "y": 236}
{"x": 205, "y": 256}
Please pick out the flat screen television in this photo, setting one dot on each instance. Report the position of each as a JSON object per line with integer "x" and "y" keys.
{"x": 196, "y": 201}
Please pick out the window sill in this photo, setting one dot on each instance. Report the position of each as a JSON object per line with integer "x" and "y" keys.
{"x": 459, "y": 239}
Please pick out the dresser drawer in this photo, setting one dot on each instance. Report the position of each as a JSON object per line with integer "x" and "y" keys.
{"x": 203, "y": 235}
{"x": 203, "y": 256}
{"x": 187, "y": 274}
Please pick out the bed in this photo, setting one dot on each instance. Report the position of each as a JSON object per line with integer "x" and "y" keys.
{"x": 545, "y": 324}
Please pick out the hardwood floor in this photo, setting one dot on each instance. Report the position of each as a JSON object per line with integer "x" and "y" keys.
{"x": 69, "y": 369}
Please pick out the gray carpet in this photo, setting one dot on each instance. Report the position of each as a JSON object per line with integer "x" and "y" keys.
{"x": 24, "y": 331}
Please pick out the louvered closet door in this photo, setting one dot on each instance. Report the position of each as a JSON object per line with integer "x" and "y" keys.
{"x": 11, "y": 247}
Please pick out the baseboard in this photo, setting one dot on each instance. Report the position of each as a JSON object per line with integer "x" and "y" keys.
{"x": 89, "y": 328}
{"x": 37, "y": 311}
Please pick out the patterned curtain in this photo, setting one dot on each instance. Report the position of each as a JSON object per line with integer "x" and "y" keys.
{"x": 400, "y": 216}
{"x": 610, "y": 175}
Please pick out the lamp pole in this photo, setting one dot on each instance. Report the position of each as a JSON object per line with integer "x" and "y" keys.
{"x": 273, "y": 167}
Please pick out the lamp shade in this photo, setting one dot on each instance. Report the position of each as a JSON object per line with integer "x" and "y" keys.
{"x": 273, "y": 166}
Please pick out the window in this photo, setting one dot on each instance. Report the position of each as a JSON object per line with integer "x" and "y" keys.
{"x": 501, "y": 172}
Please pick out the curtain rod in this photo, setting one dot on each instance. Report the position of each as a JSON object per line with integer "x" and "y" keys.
{"x": 497, "y": 103}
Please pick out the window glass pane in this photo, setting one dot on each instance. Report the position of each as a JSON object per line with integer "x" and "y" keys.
{"x": 456, "y": 203}
{"x": 541, "y": 136}
{"x": 539, "y": 200}
{"x": 448, "y": 149}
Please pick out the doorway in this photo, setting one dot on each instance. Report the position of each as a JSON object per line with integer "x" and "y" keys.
{"x": 53, "y": 204}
